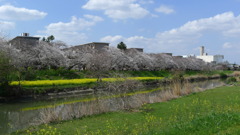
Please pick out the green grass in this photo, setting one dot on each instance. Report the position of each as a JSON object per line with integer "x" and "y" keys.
{"x": 162, "y": 73}
{"x": 59, "y": 74}
{"x": 214, "y": 111}
{"x": 207, "y": 73}
{"x": 63, "y": 74}
{"x": 47, "y": 74}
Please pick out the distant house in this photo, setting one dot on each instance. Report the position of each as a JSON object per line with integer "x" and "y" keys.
{"x": 234, "y": 66}
{"x": 178, "y": 56}
{"x": 210, "y": 58}
{"x": 138, "y": 49}
{"x": 24, "y": 41}
{"x": 169, "y": 54}
{"x": 94, "y": 45}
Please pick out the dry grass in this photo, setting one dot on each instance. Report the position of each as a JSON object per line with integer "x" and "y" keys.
{"x": 176, "y": 87}
{"x": 187, "y": 88}
{"x": 113, "y": 101}
{"x": 236, "y": 73}
{"x": 47, "y": 115}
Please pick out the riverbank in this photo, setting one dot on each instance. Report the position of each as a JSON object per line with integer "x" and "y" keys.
{"x": 214, "y": 111}
{"x": 47, "y": 89}
{"x": 17, "y": 116}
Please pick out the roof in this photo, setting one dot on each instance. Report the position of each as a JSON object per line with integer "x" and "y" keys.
{"x": 84, "y": 45}
{"x": 99, "y": 43}
{"x": 26, "y": 37}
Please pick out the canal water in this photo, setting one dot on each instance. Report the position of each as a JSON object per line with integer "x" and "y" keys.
{"x": 20, "y": 115}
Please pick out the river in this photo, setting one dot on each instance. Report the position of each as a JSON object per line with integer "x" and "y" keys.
{"x": 22, "y": 114}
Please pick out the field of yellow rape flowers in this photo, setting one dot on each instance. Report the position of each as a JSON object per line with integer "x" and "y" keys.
{"x": 77, "y": 81}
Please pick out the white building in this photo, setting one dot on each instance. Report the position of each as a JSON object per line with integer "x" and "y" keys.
{"x": 210, "y": 58}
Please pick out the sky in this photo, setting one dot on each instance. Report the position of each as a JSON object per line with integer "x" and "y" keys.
{"x": 159, "y": 26}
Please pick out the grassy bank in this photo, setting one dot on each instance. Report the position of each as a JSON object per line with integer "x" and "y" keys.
{"x": 77, "y": 81}
{"x": 214, "y": 111}
{"x": 46, "y": 86}
{"x": 63, "y": 74}
{"x": 44, "y": 81}
{"x": 62, "y": 77}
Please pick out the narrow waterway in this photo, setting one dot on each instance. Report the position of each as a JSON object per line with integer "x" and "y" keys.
{"x": 20, "y": 115}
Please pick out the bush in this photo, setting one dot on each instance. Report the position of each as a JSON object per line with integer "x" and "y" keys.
{"x": 48, "y": 74}
{"x": 223, "y": 75}
{"x": 5, "y": 73}
{"x": 231, "y": 80}
{"x": 178, "y": 75}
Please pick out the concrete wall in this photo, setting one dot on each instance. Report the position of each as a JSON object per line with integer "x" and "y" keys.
{"x": 205, "y": 58}
{"x": 100, "y": 45}
{"x": 218, "y": 58}
{"x": 21, "y": 41}
{"x": 212, "y": 58}
{"x": 94, "y": 45}
{"x": 138, "y": 49}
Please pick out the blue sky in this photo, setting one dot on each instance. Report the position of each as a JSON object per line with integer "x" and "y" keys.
{"x": 177, "y": 26}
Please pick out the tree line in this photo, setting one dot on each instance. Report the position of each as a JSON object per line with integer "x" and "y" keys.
{"x": 52, "y": 55}
{"x": 55, "y": 55}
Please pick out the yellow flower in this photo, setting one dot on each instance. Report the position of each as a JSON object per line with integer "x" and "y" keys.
{"x": 77, "y": 81}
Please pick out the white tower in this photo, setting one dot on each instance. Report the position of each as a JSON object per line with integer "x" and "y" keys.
{"x": 201, "y": 50}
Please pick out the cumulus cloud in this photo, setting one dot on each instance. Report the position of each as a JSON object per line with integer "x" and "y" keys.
{"x": 9, "y": 12}
{"x": 118, "y": 9}
{"x": 165, "y": 9}
{"x": 188, "y": 36}
{"x": 75, "y": 24}
{"x": 146, "y": 1}
{"x": 114, "y": 40}
{"x": 227, "y": 45}
{"x": 132, "y": 42}
{"x": 4, "y": 25}
{"x": 72, "y": 32}
{"x": 192, "y": 31}
{"x": 94, "y": 18}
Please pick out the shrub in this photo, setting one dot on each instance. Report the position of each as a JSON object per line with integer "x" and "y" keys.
{"x": 231, "y": 80}
{"x": 178, "y": 75}
{"x": 223, "y": 75}
{"x": 5, "y": 73}
{"x": 48, "y": 74}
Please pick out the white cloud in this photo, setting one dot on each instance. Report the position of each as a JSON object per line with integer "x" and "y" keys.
{"x": 112, "y": 39}
{"x": 94, "y": 18}
{"x": 9, "y": 12}
{"x": 146, "y": 1}
{"x": 182, "y": 40}
{"x": 75, "y": 24}
{"x": 4, "y": 25}
{"x": 131, "y": 42}
{"x": 227, "y": 45}
{"x": 72, "y": 32}
{"x": 118, "y": 9}
{"x": 165, "y": 9}
{"x": 193, "y": 30}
